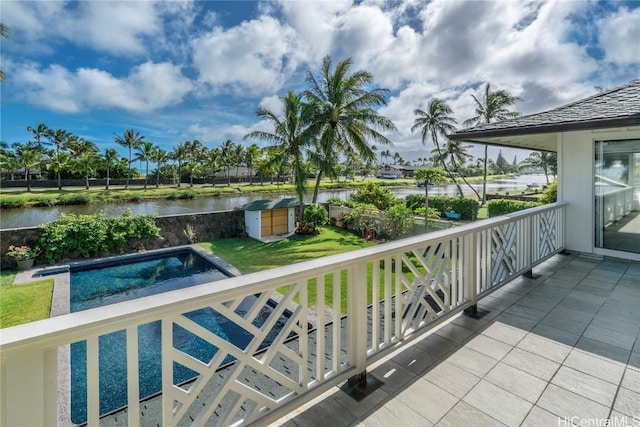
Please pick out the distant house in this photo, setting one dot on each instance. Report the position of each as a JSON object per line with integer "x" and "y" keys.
{"x": 265, "y": 217}
{"x": 396, "y": 171}
{"x": 598, "y": 144}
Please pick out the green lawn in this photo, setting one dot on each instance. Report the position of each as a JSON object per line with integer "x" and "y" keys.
{"x": 249, "y": 256}
{"x": 23, "y": 303}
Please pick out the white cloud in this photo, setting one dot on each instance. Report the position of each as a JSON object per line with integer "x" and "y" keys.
{"x": 256, "y": 56}
{"x": 620, "y": 36}
{"x": 148, "y": 87}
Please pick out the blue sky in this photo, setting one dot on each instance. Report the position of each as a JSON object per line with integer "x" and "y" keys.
{"x": 177, "y": 71}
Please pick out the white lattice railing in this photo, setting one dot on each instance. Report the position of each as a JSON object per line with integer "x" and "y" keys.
{"x": 392, "y": 293}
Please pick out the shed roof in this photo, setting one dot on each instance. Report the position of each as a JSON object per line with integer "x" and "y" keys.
{"x": 268, "y": 204}
{"x": 617, "y": 107}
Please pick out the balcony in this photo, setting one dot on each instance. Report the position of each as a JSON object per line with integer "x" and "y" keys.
{"x": 559, "y": 343}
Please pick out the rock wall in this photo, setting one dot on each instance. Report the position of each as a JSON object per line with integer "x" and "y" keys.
{"x": 206, "y": 226}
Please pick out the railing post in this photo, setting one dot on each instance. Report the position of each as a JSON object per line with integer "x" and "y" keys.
{"x": 29, "y": 383}
{"x": 472, "y": 254}
{"x": 357, "y": 315}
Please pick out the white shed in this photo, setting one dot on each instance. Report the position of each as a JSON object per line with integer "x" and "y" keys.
{"x": 264, "y": 218}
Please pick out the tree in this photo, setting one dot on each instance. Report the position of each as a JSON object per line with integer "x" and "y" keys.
{"x": 213, "y": 160}
{"x": 159, "y": 156}
{"x": 456, "y": 154}
{"x": 251, "y": 156}
{"x": 540, "y": 160}
{"x": 428, "y": 176}
{"x": 110, "y": 158}
{"x": 144, "y": 152}
{"x": 27, "y": 159}
{"x": 437, "y": 120}
{"x": 130, "y": 139}
{"x": 344, "y": 118}
{"x": 60, "y": 138}
{"x": 291, "y": 138}
{"x": 180, "y": 154}
{"x": 85, "y": 157}
{"x": 226, "y": 159}
{"x": 494, "y": 106}
{"x": 5, "y": 33}
{"x": 501, "y": 163}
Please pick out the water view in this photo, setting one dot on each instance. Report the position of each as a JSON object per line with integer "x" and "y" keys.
{"x": 31, "y": 217}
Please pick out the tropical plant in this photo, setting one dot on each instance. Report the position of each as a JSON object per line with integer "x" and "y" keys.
{"x": 437, "y": 120}
{"x": 130, "y": 139}
{"x": 550, "y": 194}
{"x": 540, "y": 160}
{"x": 109, "y": 160}
{"x": 428, "y": 176}
{"x": 5, "y": 33}
{"x": 251, "y": 156}
{"x": 226, "y": 151}
{"x": 455, "y": 154}
{"x": 144, "y": 153}
{"x": 27, "y": 159}
{"x": 22, "y": 253}
{"x": 316, "y": 216}
{"x": 213, "y": 157}
{"x": 493, "y": 106}
{"x": 344, "y": 119}
{"x": 85, "y": 156}
{"x": 374, "y": 194}
{"x": 160, "y": 157}
{"x": 181, "y": 155}
{"x": 290, "y": 137}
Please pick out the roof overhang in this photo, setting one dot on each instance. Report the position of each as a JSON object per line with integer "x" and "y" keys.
{"x": 541, "y": 137}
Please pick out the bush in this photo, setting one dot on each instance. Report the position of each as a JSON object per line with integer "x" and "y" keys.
{"x": 550, "y": 194}
{"x": 336, "y": 201}
{"x": 374, "y": 194}
{"x": 74, "y": 199}
{"x": 433, "y": 212}
{"x": 183, "y": 195}
{"x": 503, "y": 206}
{"x": 397, "y": 220}
{"x": 316, "y": 215}
{"x": 467, "y": 208}
{"x": 84, "y": 236}
{"x": 363, "y": 219}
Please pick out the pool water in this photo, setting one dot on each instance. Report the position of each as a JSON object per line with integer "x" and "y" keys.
{"x": 115, "y": 283}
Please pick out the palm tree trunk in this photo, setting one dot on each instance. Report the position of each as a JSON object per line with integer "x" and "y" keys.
{"x": 444, "y": 165}
{"x": 86, "y": 181}
{"x": 317, "y": 187}
{"x": 426, "y": 203}
{"x": 455, "y": 165}
{"x": 146, "y": 175}
{"x": 59, "y": 180}
{"x": 484, "y": 176}
{"x": 107, "y": 186}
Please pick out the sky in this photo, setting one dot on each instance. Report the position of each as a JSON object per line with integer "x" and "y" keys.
{"x": 183, "y": 70}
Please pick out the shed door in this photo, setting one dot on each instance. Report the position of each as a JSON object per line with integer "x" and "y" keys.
{"x": 274, "y": 222}
{"x": 280, "y": 221}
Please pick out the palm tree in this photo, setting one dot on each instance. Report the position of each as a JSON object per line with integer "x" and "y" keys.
{"x": 5, "y": 33}
{"x": 27, "y": 159}
{"x": 144, "y": 153}
{"x": 180, "y": 154}
{"x": 344, "y": 119}
{"x": 251, "y": 156}
{"x": 539, "y": 159}
{"x": 159, "y": 156}
{"x": 85, "y": 156}
{"x": 494, "y": 106}
{"x": 291, "y": 138}
{"x": 196, "y": 155}
{"x": 130, "y": 139}
{"x": 456, "y": 154}
{"x": 226, "y": 151}
{"x": 60, "y": 138}
{"x": 110, "y": 158}
{"x": 437, "y": 120}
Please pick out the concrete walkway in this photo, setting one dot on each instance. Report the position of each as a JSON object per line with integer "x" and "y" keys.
{"x": 559, "y": 350}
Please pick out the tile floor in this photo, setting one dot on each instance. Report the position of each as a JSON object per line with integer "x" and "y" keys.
{"x": 561, "y": 349}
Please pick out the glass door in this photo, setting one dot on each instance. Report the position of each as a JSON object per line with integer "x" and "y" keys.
{"x": 617, "y": 195}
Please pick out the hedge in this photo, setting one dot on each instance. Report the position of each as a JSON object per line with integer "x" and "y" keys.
{"x": 468, "y": 208}
{"x": 502, "y": 206}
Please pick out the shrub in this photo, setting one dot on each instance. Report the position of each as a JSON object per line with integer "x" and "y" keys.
{"x": 550, "y": 194}
{"x": 363, "y": 219}
{"x": 305, "y": 228}
{"x": 84, "y": 236}
{"x": 183, "y": 195}
{"x": 433, "y": 212}
{"x": 376, "y": 195}
{"x": 503, "y": 206}
{"x": 467, "y": 208}
{"x": 397, "y": 220}
{"x": 316, "y": 215}
{"x": 74, "y": 199}
{"x": 336, "y": 201}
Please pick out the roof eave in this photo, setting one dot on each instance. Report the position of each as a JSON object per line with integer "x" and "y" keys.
{"x": 548, "y": 128}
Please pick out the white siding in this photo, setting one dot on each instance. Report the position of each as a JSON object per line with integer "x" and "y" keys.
{"x": 252, "y": 224}
{"x": 576, "y": 176}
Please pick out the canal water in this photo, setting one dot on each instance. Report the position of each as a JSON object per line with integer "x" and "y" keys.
{"x": 33, "y": 216}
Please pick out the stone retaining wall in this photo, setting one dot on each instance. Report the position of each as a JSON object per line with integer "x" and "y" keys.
{"x": 207, "y": 226}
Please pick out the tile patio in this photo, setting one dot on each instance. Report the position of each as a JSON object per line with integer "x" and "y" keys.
{"x": 555, "y": 350}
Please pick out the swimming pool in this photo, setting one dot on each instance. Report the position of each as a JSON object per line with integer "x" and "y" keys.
{"x": 117, "y": 280}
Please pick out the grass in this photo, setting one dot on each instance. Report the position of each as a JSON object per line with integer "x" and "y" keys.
{"x": 250, "y": 256}
{"x": 23, "y": 303}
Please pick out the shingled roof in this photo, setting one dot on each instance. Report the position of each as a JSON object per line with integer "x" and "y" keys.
{"x": 618, "y": 107}
{"x": 266, "y": 204}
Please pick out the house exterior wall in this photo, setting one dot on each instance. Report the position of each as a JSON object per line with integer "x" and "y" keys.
{"x": 576, "y": 182}
{"x": 252, "y": 224}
